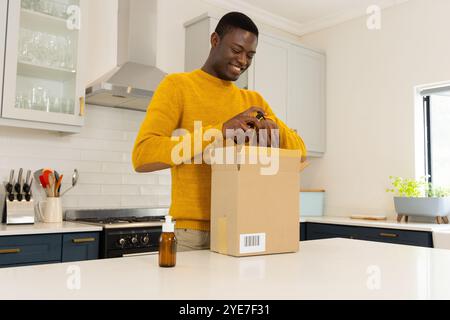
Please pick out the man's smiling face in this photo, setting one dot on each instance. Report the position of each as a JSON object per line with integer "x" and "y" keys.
{"x": 233, "y": 54}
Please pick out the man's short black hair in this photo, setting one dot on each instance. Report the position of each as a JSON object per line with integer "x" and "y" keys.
{"x": 233, "y": 20}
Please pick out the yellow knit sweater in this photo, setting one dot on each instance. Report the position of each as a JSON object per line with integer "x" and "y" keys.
{"x": 180, "y": 100}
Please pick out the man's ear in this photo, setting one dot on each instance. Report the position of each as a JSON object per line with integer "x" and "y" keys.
{"x": 215, "y": 40}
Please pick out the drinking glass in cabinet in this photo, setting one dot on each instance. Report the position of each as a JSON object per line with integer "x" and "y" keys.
{"x": 45, "y": 49}
{"x": 67, "y": 105}
{"x": 23, "y": 101}
{"x": 51, "y": 8}
{"x": 39, "y": 98}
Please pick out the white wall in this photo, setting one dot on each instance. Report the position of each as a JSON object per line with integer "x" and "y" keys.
{"x": 102, "y": 155}
{"x": 370, "y": 101}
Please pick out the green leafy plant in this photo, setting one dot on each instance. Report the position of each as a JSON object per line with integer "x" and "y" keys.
{"x": 438, "y": 192}
{"x": 405, "y": 187}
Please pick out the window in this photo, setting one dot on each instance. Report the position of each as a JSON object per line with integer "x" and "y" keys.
{"x": 437, "y": 136}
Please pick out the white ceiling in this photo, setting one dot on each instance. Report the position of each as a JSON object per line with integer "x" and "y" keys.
{"x": 304, "y": 16}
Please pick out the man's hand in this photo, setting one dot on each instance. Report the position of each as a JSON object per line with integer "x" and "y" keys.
{"x": 247, "y": 121}
{"x": 268, "y": 125}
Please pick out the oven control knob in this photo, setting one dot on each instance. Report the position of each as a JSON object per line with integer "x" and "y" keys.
{"x": 122, "y": 242}
{"x": 134, "y": 240}
{"x": 145, "y": 239}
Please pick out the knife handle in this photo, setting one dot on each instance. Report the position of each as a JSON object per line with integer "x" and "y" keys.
{"x": 18, "y": 185}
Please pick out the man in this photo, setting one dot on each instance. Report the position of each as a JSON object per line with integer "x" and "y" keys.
{"x": 210, "y": 96}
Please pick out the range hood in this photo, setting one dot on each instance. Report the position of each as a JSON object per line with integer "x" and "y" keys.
{"x": 132, "y": 83}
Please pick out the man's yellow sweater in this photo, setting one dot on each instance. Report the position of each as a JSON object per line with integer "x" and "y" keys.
{"x": 180, "y": 100}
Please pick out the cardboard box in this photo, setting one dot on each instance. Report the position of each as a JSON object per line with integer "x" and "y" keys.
{"x": 255, "y": 211}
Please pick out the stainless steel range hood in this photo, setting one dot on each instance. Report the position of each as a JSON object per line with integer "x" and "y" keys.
{"x": 132, "y": 83}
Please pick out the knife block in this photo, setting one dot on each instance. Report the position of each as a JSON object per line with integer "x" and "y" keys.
{"x": 19, "y": 212}
{"x": 16, "y": 212}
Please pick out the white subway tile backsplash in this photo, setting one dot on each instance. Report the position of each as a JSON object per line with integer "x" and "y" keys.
{"x": 100, "y": 178}
{"x": 140, "y": 179}
{"x": 110, "y": 167}
{"x": 139, "y": 201}
{"x": 156, "y": 190}
{"x": 99, "y": 201}
{"x": 164, "y": 201}
{"x": 104, "y": 134}
{"x": 164, "y": 180}
{"x": 92, "y": 155}
{"x": 118, "y": 190}
{"x": 70, "y": 201}
{"x": 102, "y": 155}
{"x": 81, "y": 189}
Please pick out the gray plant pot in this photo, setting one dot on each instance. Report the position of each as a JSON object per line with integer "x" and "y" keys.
{"x": 423, "y": 207}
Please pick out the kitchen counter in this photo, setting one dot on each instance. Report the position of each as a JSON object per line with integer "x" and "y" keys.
{"x": 46, "y": 228}
{"x": 322, "y": 269}
{"x": 389, "y": 224}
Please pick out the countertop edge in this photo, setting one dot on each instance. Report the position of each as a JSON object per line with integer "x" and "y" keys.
{"x": 389, "y": 224}
{"x": 46, "y": 228}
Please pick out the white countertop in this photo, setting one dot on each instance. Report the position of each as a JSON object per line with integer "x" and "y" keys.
{"x": 46, "y": 228}
{"x": 389, "y": 224}
{"x": 322, "y": 269}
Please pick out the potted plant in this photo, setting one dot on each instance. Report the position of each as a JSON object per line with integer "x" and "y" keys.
{"x": 420, "y": 198}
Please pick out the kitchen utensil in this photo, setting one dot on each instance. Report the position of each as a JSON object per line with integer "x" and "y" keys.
{"x": 18, "y": 186}
{"x": 43, "y": 182}
{"x": 28, "y": 194}
{"x": 74, "y": 181}
{"x": 10, "y": 184}
{"x": 58, "y": 185}
{"x": 26, "y": 185}
{"x": 52, "y": 183}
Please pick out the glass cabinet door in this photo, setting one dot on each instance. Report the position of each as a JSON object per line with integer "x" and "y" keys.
{"x": 3, "y": 19}
{"x": 42, "y": 62}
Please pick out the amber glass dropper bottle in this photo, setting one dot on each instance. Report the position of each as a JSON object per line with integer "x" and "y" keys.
{"x": 168, "y": 245}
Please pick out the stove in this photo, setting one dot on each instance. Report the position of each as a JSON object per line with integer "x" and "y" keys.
{"x": 125, "y": 231}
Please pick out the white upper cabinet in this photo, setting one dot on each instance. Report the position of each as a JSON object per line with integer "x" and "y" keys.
{"x": 3, "y": 12}
{"x": 271, "y": 66}
{"x": 43, "y": 87}
{"x": 198, "y": 46}
{"x": 306, "y": 97}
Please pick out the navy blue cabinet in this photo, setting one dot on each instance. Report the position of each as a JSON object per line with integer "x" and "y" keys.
{"x": 315, "y": 231}
{"x": 302, "y": 231}
{"x": 48, "y": 248}
{"x": 80, "y": 246}
{"x": 33, "y": 249}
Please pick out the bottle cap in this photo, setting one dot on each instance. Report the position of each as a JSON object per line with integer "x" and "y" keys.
{"x": 168, "y": 226}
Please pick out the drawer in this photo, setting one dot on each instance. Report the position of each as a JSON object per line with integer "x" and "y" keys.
{"x": 406, "y": 237}
{"x": 32, "y": 249}
{"x": 316, "y": 231}
{"x": 80, "y": 246}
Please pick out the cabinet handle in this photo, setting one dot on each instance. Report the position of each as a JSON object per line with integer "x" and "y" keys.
{"x": 8, "y": 251}
{"x": 81, "y": 106}
{"x": 389, "y": 235}
{"x": 83, "y": 240}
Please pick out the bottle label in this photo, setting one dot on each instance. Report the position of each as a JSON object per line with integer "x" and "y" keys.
{"x": 252, "y": 243}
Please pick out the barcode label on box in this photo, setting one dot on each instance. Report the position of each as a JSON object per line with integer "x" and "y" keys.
{"x": 252, "y": 243}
